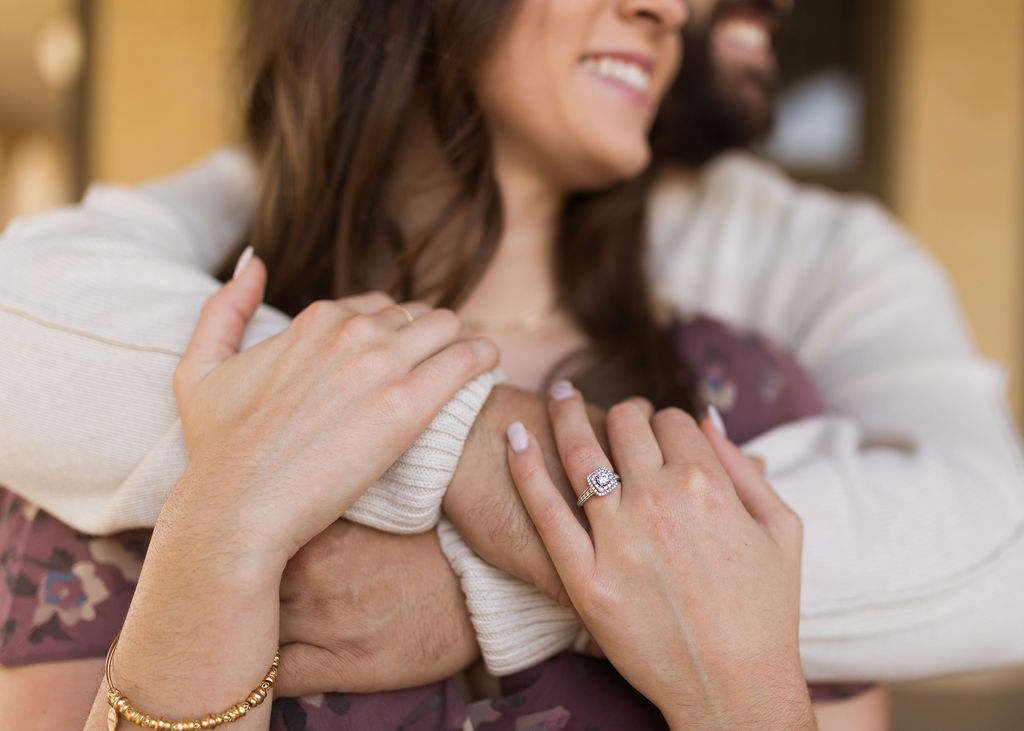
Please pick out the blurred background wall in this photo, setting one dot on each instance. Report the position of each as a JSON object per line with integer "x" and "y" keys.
{"x": 931, "y": 121}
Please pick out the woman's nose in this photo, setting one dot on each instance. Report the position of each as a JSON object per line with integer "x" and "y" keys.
{"x": 669, "y": 14}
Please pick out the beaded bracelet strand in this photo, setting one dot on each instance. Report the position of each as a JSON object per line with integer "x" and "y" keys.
{"x": 120, "y": 706}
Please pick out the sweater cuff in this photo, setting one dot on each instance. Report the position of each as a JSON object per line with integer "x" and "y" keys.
{"x": 516, "y": 625}
{"x": 407, "y": 498}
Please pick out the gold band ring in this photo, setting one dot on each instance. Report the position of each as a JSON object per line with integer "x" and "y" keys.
{"x": 396, "y": 306}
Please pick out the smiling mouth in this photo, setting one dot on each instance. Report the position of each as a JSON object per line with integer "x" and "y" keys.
{"x": 748, "y": 37}
{"x": 619, "y": 69}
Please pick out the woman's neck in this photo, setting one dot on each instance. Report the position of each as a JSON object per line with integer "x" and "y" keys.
{"x": 519, "y": 282}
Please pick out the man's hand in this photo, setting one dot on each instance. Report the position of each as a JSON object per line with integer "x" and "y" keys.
{"x": 363, "y": 610}
{"x": 482, "y": 500}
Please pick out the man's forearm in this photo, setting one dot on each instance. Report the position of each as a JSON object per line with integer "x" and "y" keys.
{"x": 482, "y": 500}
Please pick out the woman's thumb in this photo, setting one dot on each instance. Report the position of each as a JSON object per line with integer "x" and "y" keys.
{"x": 223, "y": 319}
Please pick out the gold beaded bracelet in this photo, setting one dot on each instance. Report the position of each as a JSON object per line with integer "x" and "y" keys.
{"x": 119, "y": 705}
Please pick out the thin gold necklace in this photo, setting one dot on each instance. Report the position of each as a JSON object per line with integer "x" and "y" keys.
{"x": 527, "y": 323}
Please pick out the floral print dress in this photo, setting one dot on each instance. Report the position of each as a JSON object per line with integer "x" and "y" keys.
{"x": 65, "y": 594}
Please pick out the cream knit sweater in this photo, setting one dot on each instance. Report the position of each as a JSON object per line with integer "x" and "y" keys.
{"x": 911, "y": 489}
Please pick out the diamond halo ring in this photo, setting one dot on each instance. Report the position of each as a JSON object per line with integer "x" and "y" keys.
{"x": 599, "y": 482}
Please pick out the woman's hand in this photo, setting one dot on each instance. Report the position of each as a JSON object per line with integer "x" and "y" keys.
{"x": 288, "y": 433}
{"x": 690, "y": 578}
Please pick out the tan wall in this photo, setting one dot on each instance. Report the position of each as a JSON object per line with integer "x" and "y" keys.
{"x": 160, "y": 93}
{"x": 958, "y": 157}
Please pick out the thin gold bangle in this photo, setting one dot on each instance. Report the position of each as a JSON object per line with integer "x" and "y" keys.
{"x": 120, "y": 706}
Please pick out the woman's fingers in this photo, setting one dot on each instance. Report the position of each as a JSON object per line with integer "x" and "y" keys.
{"x": 428, "y": 334}
{"x": 367, "y": 303}
{"x": 680, "y": 438}
{"x": 589, "y": 469}
{"x": 422, "y": 330}
{"x": 632, "y": 442}
{"x": 567, "y": 542}
{"x": 753, "y": 490}
{"x": 436, "y": 379}
{"x": 222, "y": 321}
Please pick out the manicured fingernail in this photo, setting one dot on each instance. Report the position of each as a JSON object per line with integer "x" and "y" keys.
{"x": 243, "y": 262}
{"x": 560, "y": 390}
{"x": 716, "y": 420}
{"x": 517, "y": 436}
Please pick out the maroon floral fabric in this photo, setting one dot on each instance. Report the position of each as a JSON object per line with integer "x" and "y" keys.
{"x": 65, "y": 594}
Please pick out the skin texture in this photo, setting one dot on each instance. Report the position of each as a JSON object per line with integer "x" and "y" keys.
{"x": 482, "y": 501}
{"x": 273, "y": 433}
{"x": 281, "y": 430}
{"x": 389, "y": 615}
{"x": 657, "y": 577}
{"x": 596, "y": 132}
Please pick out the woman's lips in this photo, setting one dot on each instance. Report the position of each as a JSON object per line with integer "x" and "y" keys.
{"x": 627, "y": 71}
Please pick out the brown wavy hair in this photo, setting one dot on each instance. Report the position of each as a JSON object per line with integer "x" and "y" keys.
{"x": 332, "y": 89}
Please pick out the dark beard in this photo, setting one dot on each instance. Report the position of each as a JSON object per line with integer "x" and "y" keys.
{"x": 702, "y": 116}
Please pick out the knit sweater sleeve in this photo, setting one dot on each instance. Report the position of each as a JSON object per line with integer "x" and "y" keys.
{"x": 97, "y": 302}
{"x": 516, "y": 625}
{"x": 911, "y": 487}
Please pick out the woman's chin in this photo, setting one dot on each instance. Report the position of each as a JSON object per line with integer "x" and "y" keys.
{"x": 609, "y": 170}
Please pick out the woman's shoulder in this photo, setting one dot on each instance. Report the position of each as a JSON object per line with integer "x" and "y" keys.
{"x": 754, "y": 382}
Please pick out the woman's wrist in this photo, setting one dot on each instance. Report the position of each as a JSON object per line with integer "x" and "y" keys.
{"x": 780, "y": 704}
{"x": 203, "y": 625}
{"x": 209, "y": 508}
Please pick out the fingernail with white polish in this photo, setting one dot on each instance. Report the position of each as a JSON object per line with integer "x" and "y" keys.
{"x": 716, "y": 420}
{"x": 560, "y": 390}
{"x": 517, "y": 436}
{"x": 243, "y": 262}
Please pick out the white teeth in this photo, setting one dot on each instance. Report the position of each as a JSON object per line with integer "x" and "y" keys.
{"x": 747, "y": 33}
{"x": 616, "y": 69}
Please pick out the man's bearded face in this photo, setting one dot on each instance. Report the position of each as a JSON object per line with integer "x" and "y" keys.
{"x": 725, "y": 92}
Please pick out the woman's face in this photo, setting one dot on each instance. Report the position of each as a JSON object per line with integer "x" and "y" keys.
{"x": 571, "y": 87}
